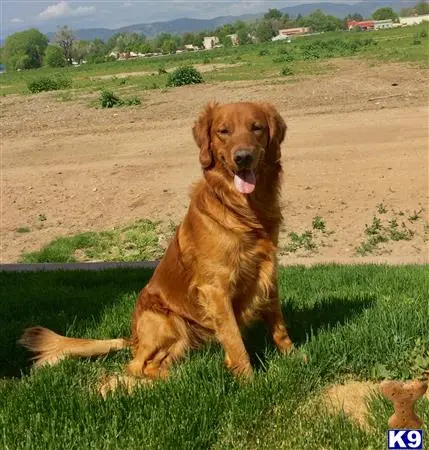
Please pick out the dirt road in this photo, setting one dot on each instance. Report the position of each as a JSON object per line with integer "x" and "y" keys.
{"x": 356, "y": 139}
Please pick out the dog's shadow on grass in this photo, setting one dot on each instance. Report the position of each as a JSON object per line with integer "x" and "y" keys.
{"x": 304, "y": 322}
{"x": 58, "y": 300}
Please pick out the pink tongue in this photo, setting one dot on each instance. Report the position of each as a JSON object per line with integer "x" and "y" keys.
{"x": 245, "y": 182}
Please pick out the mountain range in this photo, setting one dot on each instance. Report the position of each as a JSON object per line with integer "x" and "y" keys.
{"x": 180, "y": 26}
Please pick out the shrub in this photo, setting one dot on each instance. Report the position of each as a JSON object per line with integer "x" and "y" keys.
{"x": 108, "y": 99}
{"x": 264, "y": 52}
{"x": 49, "y": 83}
{"x": 286, "y": 71}
{"x": 418, "y": 36}
{"x": 282, "y": 50}
{"x": 184, "y": 75}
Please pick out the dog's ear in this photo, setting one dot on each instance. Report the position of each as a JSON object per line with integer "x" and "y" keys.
{"x": 277, "y": 131}
{"x": 202, "y": 134}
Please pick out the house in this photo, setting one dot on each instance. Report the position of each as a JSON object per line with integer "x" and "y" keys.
{"x": 294, "y": 31}
{"x": 415, "y": 20}
{"x": 281, "y": 37}
{"x": 210, "y": 42}
{"x": 234, "y": 38}
{"x": 383, "y": 24}
{"x": 191, "y": 47}
{"x": 364, "y": 25}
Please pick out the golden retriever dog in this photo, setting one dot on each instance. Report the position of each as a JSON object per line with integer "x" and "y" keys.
{"x": 219, "y": 273}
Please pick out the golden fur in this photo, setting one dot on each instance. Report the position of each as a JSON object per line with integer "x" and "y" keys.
{"x": 219, "y": 273}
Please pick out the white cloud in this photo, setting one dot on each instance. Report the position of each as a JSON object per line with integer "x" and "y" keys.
{"x": 63, "y": 9}
{"x": 16, "y": 20}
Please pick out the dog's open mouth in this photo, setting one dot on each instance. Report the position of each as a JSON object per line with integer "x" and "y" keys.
{"x": 245, "y": 181}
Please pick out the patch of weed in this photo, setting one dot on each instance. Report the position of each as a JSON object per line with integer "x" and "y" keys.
{"x": 318, "y": 223}
{"x": 23, "y": 230}
{"x": 416, "y": 215}
{"x": 108, "y": 99}
{"x": 381, "y": 208}
{"x": 301, "y": 241}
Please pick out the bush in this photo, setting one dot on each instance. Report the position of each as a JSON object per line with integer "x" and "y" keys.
{"x": 418, "y": 36}
{"x": 184, "y": 75}
{"x": 264, "y": 52}
{"x": 286, "y": 71}
{"x": 283, "y": 49}
{"x": 108, "y": 99}
{"x": 49, "y": 83}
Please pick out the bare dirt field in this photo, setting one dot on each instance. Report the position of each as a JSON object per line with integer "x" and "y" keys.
{"x": 357, "y": 138}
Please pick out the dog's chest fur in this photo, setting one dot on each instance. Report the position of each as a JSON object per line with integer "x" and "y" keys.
{"x": 253, "y": 276}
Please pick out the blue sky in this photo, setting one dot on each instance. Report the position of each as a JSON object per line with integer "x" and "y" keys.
{"x": 47, "y": 15}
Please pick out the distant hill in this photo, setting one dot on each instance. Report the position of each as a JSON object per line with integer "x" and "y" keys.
{"x": 180, "y": 26}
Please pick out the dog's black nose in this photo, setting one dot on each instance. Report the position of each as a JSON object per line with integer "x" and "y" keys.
{"x": 243, "y": 158}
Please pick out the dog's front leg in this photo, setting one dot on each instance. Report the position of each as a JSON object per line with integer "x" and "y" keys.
{"x": 273, "y": 316}
{"x": 218, "y": 306}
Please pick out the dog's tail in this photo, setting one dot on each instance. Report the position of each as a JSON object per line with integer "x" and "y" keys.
{"x": 50, "y": 347}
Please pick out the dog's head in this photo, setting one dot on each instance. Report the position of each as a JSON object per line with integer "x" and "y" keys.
{"x": 240, "y": 138}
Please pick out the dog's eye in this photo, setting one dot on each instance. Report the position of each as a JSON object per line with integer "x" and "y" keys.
{"x": 257, "y": 127}
{"x": 223, "y": 131}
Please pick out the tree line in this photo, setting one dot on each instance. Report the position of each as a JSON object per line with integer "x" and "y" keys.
{"x": 31, "y": 49}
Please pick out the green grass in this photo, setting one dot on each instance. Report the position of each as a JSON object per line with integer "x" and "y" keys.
{"x": 132, "y": 243}
{"x": 350, "y": 321}
{"x": 248, "y": 62}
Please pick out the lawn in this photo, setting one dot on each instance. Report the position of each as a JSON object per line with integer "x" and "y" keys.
{"x": 352, "y": 322}
{"x": 304, "y": 55}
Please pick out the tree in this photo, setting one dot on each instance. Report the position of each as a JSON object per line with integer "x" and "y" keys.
{"x": 65, "y": 37}
{"x": 187, "y": 38}
{"x": 264, "y": 31}
{"x": 384, "y": 14}
{"x": 224, "y": 39}
{"x": 169, "y": 46}
{"x": 199, "y": 38}
{"x": 25, "y": 50}
{"x": 421, "y": 8}
{"x": 319, "y": 21}
{"x": 158, "y": 42}
{"x": 97, "y": 49}
{"x": 355, "y": 17}
{"x": 273, "y": 14}
{"x": 243, "y": 36}
{"x": 407, "y": 12}
{"x": 111, "y": 43}
{"x": 54, "y": 56}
